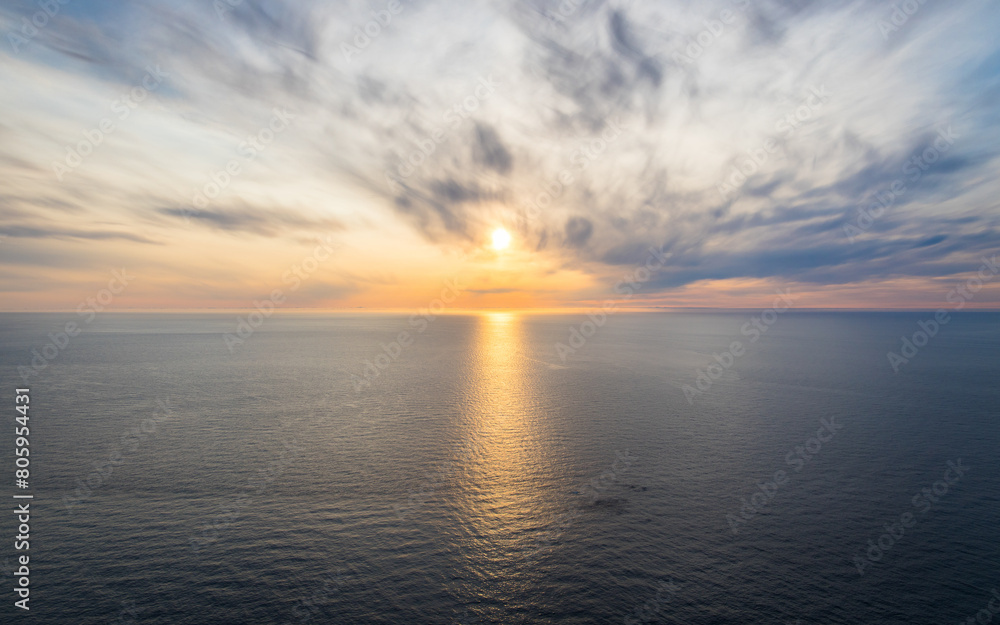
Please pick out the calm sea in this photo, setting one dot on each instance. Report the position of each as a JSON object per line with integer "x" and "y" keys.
{"x": 643, "y": 474}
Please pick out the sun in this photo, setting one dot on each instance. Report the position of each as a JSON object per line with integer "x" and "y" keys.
{"x": 501, "y": 239}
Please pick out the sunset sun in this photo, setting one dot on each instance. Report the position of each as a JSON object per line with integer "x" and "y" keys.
{"x": 501, "y": 239}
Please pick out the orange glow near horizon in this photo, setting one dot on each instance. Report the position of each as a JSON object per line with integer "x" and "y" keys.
{"x": 364, "y": 275}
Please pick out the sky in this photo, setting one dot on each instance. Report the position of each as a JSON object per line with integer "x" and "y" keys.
{"x": 343, "y": 155}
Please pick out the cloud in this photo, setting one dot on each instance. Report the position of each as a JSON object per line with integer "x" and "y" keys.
{"x": 490, "y": 151}
{"x": 578, "y": 231}
{"x": 30, "y": 232}
{"x": 317, "y": 292}
{"x": 456, "y": 117}
{"x": 252, "y": 220}
{"x": 492, "y": 291}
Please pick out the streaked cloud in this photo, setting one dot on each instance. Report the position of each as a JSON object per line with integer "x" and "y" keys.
{"x": 592, "y": 130}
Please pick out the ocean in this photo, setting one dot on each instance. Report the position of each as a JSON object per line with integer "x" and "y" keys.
{"x": 665, "y": 467}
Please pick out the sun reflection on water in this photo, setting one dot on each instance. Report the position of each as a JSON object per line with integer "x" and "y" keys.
{"x": 499, "y": 492}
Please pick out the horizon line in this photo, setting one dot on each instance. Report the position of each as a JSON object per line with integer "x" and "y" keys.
{"x": 466, "y": 311}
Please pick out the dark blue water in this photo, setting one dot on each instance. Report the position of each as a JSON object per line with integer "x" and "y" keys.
{"x": 481, "y": 478}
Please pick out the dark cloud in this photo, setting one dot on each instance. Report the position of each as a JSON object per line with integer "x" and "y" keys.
{"x": 625, "y": 44}
{"x": 451, "y": 191}
{"x": 252, "y": 220}
{"x": 932, "y": 241}
{"x": 578, "y": 231}
{"x": 40, "y": 232}
{"x": 490, "y": 151}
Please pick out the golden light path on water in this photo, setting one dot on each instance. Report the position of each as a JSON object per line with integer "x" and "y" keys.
{"x": 500, "y": 502}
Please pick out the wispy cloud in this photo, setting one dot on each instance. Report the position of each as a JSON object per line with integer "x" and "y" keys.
{"x": 455, "y": 117}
